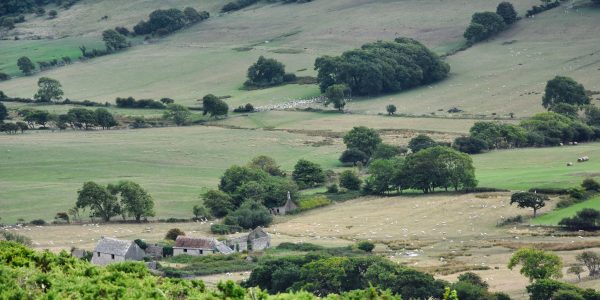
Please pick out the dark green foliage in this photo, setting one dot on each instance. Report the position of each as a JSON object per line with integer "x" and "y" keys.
{"x": 353, "y": 156}
{"x": 555, "y": 129}
{"x": 385, "y": 151}
{"x": 499, "y": 136}
{"x": 507, "y": 12}
{"x": 244, "y": 108}
{"x": 536, "y": 9}
{"x": 302, "y": 247}
{"x": 178, "y": 113}
{"x": 38, "y": 222}
{"x": 363, "y": 139}
{"x": 385, "y": 176}
{"x": 589, "y": 184}
{"x": 3, "y": 112}
{"x": 265, "y": 72}
{"x": 337, "y": 94}
{"x": 104, "y": 118}
{"x": 25, "y": 65}
{"x": 200, "y": 212}
{"x": 130, "y": 102}
{"x": 52, "y": 14}
{"x": 544, "y": 289}
{"x": 365, "y": 246}
{"x": 591, "y": 260}
{"x": 34, "y": 116}
{"x": 483, "y": 26}
{"x": 214, "y": 106}
{"x": 218, "y": 202}
{"x": 224, "y": 229}
{"x": 421, "y": 142}
{"x": 207, "y": 265}
{"x": 529, "y": 200}
{"x": 576, "y": 193}
{"x": 470, "y": 145}
{"x": 141, "y": 244}
{"x": 473, "y": 278}
{"x": 381, "y": 67}
{"x": 99, "y": 200}
{"x": 564, "y": 90}
{"x": 565, "y": 109}
{"x": 469, "y": 291}
{"x": 586, "y": 219}
{"x": 122, "y": 30}
{"x": 266, "y": 164}
{"x": 4, "y": 76}
{"x": 391, "y": 109}
{"x": 349, "y": 180}
{"x": 9, "y": 128}
{"x": 308, "y": 174}
{"x": 333, "y": 189}
{"x": 114, "y": 41}
{"x": 173, "y": 233}
{"x": 165, "y": 21}
{"x": 49, "y": 90}
{"x": 250, "y": 215}
{"x": 239, "y": 4}
{"x": 135, "y": 201}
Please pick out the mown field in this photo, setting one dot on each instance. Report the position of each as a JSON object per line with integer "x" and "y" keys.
{"x": 553, "y": 217}
{"x": 212, "y": 57}
{"x": 41, "y": 171}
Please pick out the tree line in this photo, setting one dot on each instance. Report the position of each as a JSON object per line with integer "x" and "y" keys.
{"x": 570, "y": 118}
{"x": 488, "y": 24}
{"x": 165, "y": 21}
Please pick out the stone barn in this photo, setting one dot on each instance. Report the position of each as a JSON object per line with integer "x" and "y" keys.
{"x": 288, "y": 206}
{"x": 255, "y": 240}
{"x": 109, "y": 250}
{"x": 198, "y": 246}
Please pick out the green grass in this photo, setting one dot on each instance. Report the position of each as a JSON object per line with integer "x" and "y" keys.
{"x": 553, "y": 217}
{"x": 62, "y": 109}
{"x": 523, "y": 169}
{"x": 40, "y": 172}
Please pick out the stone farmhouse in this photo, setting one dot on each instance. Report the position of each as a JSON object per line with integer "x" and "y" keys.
{"x": 109, "y": 250}
{"x": 256, "y": 240}
{"x": 198, "y": 246}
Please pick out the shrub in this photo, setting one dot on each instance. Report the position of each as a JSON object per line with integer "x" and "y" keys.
{"x": 365, "y": 246}
{"x": 332, "y": 189}
{"x": 507, "y": 11}
{"x": 586, "y": 219}
{"x": 576, "y": 193}
{"x": 244, "y": 108}
{"x": 173, "y": 233}
{"x": 391, "y": 109}
{"x": 38, "y": 222}
{"x": 490, "y": 24}
{"x": 304, "y": 247}
{"x": 353, "y": 156}
{"x": 589, "y": 184}
{"x": 15, "y": 237}
{"x": 349, "y": 180}
{"x": 141, "y": 244}
{"x": 225, "y": 229}
{"x": 265, "y": 72}
{"x": 4, "y": 76}
{"x": 470, "y": 145}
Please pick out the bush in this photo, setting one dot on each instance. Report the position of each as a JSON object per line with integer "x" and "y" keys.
{"x": 391, "y": 109}
{"x": 141, "y": 244}
{"x": 244, "y": 108}
{"x": 353, "y": 156}
{"x": 173, "y": 233}
{"x": 365, "y": 246}
{"x": 130, "y": 102}
{"x": 332, "y": 189}
{"x": 349, "y": 180}
{"x": 4, "y": 76}
{"x": 421, "y": 142}
{"x": 589, "y": 184}
{"x": 484, "y": 25}
{"x": 507, "y": 11}
{"x": 576, "y": 193}
{"x": 470, "y": 145}
{"x": 586, "y": 219}
{"x": 225, "y": 229}
{"x": 265, "y": 72}
{"x": 38, "y": 222}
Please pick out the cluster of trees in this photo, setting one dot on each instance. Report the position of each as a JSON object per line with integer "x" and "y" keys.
{"x": 586, "y": 219}
{"x": 164, "y": 21}
{"x": 130, "y": 102}
{"x": 9, "y": 22}
{"x": 11, "y": 11}
{"x": 247, "y": 192}
{"x": 381, "y": 67}
{"x": 536, "y": 9}
{"x": 244, "y": 108}
{"x": 426, "y": 170}
{"x": 215, "y": 107}
{"x": 44, "y": 65}
{"x": 239, "y": 4}
{"x": 487, "y": 24}
{"x": 571, "y": 118}
{"x": 126, "y": 198}
{"x": 114, "y": 40}
{"x": 80, "y": 118}
{"x": 267, "y": 72}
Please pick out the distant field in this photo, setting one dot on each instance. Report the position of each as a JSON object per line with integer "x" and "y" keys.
{"x": 537, "y": 167}
{"x": 208, "y": 58}
{"x": 40, "y": 172}
{"x": 553, "y": 217}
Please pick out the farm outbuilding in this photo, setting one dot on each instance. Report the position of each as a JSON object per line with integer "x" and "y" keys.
{"x": 198, "y": 246}
{"x": 255, "y": 240}
{"x": 287, "y": 207}
{"x": 110, "y": 250}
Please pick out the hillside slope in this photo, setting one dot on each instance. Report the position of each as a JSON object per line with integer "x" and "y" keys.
{"x": 212, "y": 57}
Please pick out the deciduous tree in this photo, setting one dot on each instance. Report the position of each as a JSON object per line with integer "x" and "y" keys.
{"x": 529, "y": 200}
{"x": 536, "y": 264}
{"x": 49, "y": 89}
{"x": 563, "y": 89}
{"x": 99, "y": 200}
{"x": 25, "y": 65}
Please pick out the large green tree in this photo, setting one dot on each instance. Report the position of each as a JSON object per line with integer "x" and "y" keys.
{"x": 265, "y": 72}
{"x": 534, "y": 201}
{"x": 219, "y": 203}
{"x": 308, "y": 174}
{"x": 104, "y": 118}
{"x": 214, "y": 106}
{"x": 135, "y": 201}
{"x": 178, "y": 113}
{"x": 99, "y": 200}
{"x": 25, "y": 65}
{"x": 507, "y": 11}
{"x": 563, "y": 89}
{"x": 250, "y": 215}
{"x": 363, "y": 139}
{"x": 48, "y": 89}
{"x": 337, "y": 95}
{"x": 536, "y": 264}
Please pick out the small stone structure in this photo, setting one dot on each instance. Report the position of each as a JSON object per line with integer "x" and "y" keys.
{"x": 255, "y": 240}
{"x": 154, "y": 251}
{"x": 287, "y": 207}
{"x": 109, "y": 250}
{"x": 198, "y": 246}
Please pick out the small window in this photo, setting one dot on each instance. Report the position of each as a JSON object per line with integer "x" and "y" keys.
{"x": 112, "y": 256}
{"x": 201, "y": 251}
{"x": 185, "y": 250}
{"x": 98, "y": 254}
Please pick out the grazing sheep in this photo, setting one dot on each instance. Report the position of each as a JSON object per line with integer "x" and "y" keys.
{"x": 569, "y": 164}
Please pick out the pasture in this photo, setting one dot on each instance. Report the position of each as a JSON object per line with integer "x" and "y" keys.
{"x": 553, "y": 217}
{"x": 42, "y": 171}
{"x": 213, "y": 57}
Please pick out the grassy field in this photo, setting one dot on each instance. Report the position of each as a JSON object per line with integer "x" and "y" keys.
{"x": 41, "y": 171}
{"x": 553, "y": 217}
{"x": 522, "y": 169}
{"x": 207, "y": 58}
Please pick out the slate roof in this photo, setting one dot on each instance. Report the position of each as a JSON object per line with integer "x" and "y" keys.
{"x": 113, "y": 246}
{"x": 195, "y": 242}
